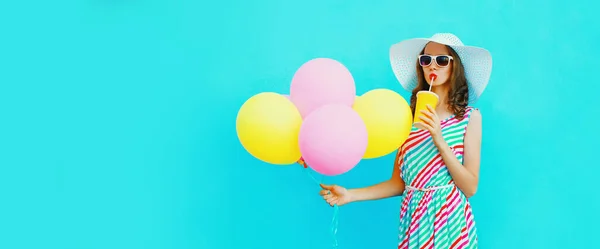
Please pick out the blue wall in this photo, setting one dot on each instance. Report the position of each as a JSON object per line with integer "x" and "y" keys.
{"x": 117, "y": 125}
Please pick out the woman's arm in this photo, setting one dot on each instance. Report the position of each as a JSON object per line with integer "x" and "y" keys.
{"x": 390, "y": 188}
{"x": 466, "y": 177}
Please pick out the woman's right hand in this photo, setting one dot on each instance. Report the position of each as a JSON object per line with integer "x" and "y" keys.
{"x": 335, "y": 194}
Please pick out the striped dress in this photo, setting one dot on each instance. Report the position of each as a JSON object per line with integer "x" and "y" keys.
{"x": 434, "y": 213}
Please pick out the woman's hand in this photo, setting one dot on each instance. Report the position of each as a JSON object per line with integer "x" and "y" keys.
{"x": 431, "y": 122}
{"x": 335, "y": 195}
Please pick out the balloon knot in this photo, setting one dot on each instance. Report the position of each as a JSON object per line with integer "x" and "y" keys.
{"x": 301, "y": 162}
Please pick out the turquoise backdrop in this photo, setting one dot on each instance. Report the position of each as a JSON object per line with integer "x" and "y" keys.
{"x": 117, "y": 121}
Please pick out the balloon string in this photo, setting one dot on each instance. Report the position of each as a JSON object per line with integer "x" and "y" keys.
{"x": 334, "y": 220}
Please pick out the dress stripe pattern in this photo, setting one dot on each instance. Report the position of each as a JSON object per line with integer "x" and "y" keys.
{"x": 434, "y": 213}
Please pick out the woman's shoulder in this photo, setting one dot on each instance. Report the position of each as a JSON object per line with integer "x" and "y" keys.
{"x": 472, "y": 114}
{"x": 471, "y": 110}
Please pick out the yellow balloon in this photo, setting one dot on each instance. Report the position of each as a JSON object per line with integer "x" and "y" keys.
{"x": 388, "y": 118}
{"x": 267, "y": 126}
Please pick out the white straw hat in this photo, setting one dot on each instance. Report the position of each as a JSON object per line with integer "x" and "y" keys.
{"x": 477, "y": 62}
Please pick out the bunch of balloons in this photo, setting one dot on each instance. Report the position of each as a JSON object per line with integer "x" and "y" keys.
{"x": 322, "y": 121}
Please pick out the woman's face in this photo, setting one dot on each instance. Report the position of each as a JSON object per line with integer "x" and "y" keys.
{"x": 440, "y": 66}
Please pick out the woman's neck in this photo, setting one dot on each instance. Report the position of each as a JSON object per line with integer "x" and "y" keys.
{"x": 442, "y": 93}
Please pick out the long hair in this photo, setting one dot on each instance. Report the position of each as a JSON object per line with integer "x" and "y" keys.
{"x": 458, "y": 93}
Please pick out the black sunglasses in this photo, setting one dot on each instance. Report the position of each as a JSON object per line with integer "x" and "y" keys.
{"x": 440, "y": 60}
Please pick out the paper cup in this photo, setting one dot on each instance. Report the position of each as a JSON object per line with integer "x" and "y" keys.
{"x": 424, "y": 98}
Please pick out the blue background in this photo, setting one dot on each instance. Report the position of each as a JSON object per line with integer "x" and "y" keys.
{"x": 117, "y": 126}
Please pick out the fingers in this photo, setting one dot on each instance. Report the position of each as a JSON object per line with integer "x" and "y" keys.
{"x": 428, "y": 114}
{"x": 432, "y": 116}
{"x": 328, "y": 187}
{"x": 431, "y": 113}
{"x": 427, "y": 126}
{"x": 332, "y": 201}
{"x": 426, "y": 120}
{"x": 430, "y": 108}
{"x": 328, "y": 196}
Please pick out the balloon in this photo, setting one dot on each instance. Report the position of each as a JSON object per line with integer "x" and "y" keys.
{"x": 388, "y": 119}
{"x": 333, "y": 139}
{"x": 287, "y": 96}
{"x": 320, "y": 82}
{"x": 267, "y": 126}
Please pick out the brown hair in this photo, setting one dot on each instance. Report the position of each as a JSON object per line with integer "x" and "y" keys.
{"x": 458, "y": 93}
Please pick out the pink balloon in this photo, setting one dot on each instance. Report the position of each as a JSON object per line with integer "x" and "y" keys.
{"x": 319, "y": 82}
{"x": 333, "y": 139}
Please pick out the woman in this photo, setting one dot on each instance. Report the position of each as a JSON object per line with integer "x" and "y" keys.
{"x": 437, "y": 168}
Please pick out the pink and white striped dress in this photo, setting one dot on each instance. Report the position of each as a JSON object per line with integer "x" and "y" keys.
{"x": 434, "y": 212}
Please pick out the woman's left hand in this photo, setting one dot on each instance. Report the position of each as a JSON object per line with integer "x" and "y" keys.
{"x": 431, "y": 122}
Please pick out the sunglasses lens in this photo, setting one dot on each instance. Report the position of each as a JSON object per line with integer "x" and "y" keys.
{"x": 442, "y": 61}
{"x": 425, "y": 60}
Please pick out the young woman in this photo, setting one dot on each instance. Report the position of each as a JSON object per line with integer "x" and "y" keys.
{"x": 437, "y": 169}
